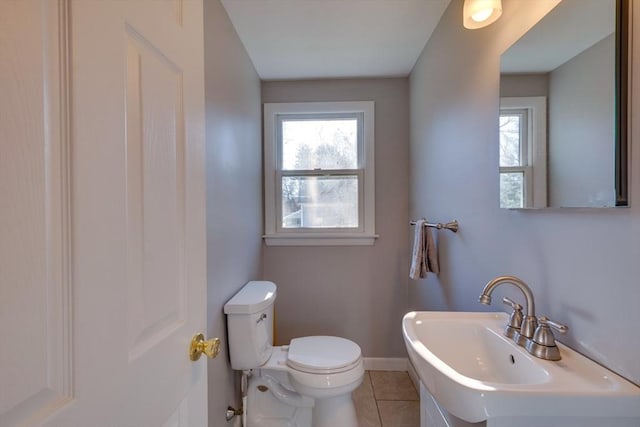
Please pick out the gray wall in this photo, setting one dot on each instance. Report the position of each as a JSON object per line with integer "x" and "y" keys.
{"x": 359, "y": 293}
{"x": 582, "y": 265}
{"x": 234, "y": 188}
{"x": 581, "y": 128}
{"x": 524, "y": 84}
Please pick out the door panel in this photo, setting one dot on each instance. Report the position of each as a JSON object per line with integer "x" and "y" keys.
{"x": 139, "y": 203}
{"x": 35, "y": 309}
{"x": 102, "y": 260}
{"x": 156, "y": 195}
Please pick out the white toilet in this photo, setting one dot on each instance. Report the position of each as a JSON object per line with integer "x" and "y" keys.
{"x": 307, "y": 383}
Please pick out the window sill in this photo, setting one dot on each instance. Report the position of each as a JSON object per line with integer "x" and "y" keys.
{"x": 316, "y": 239}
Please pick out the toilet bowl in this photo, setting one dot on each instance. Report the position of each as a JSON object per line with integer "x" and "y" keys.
{"x": 307, "y": 383}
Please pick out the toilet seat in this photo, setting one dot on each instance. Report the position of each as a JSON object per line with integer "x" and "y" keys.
{"x": 323, "y": 355}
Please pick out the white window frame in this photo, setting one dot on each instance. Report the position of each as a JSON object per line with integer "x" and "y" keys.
{"x": 535, "y": 156}
{"x": 275, "y": 235}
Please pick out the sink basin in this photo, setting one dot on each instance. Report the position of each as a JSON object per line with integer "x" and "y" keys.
{"x": 477, "y": 374}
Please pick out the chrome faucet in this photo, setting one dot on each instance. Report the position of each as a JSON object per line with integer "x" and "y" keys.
{"x": 537, "y": 339}
{"x": 530, "y": 322}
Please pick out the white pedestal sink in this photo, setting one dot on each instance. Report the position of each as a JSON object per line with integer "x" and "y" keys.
{"x": 477, "y": 374}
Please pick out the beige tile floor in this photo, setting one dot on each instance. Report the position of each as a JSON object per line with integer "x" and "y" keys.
{"x": 387, "y": 399}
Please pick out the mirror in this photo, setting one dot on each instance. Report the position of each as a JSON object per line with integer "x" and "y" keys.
{"x": 563, "y": 109}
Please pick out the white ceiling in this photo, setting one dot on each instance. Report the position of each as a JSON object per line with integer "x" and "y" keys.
{"x": 305, "y": 39}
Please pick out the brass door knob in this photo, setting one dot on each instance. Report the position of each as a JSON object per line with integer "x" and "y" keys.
{"x": 199, "y": 345}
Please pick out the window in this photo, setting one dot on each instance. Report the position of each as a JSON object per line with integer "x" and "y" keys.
{"x": 523, "y": 150}
{"x": 319, "y": 173}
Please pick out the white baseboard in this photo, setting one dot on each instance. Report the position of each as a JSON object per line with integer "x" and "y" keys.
{"x": 386, "y": 364}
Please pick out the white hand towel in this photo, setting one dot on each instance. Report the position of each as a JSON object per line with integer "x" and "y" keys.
{"x": 425, "y": 254}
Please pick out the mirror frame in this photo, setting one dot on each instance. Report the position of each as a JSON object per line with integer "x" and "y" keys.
{"x": 621, "y": 110}
{"x": 621, "y": 104}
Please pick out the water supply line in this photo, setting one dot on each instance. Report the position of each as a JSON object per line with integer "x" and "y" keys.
{"x": 244, "y": 390}
{"x": 231, "y": 411}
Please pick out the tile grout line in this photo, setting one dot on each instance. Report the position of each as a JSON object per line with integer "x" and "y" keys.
{"x": 378, "y": 411}
{"x": 375, "y": 399}
{"x": 378, "y": 400}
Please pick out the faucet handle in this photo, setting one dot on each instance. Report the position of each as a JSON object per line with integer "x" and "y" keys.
{"x": 557, "y": 326}
{"x": 511, "y": 303}
{"x": 515, "y": 319}
{"x": 543, "y": 343}
{"x": 543, "y": 334}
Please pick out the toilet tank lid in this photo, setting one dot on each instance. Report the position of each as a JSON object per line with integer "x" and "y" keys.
{"x": 255, "y": 296}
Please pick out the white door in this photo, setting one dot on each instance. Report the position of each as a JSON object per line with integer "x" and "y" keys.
{"x": 102, "y": 213}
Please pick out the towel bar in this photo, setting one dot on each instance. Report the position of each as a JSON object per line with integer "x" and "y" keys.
{"x": 453, "y": 225}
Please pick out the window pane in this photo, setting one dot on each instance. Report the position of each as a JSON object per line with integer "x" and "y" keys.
{"x": 320, "y": 202}
{"x": 324, "y": 144}
{"x": 511, "y": 190}
{"x": 510, "y": 142}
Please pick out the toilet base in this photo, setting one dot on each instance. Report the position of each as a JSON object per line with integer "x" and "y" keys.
{"x": 335, "y": 411}
{"x": 272, "y": 402}
{"x": 265, "y": 407}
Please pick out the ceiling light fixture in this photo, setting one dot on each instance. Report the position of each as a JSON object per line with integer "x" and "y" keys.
{"x": 480, "y": 13}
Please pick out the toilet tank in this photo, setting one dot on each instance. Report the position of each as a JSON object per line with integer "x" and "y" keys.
{"x": 250, "y": 324}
